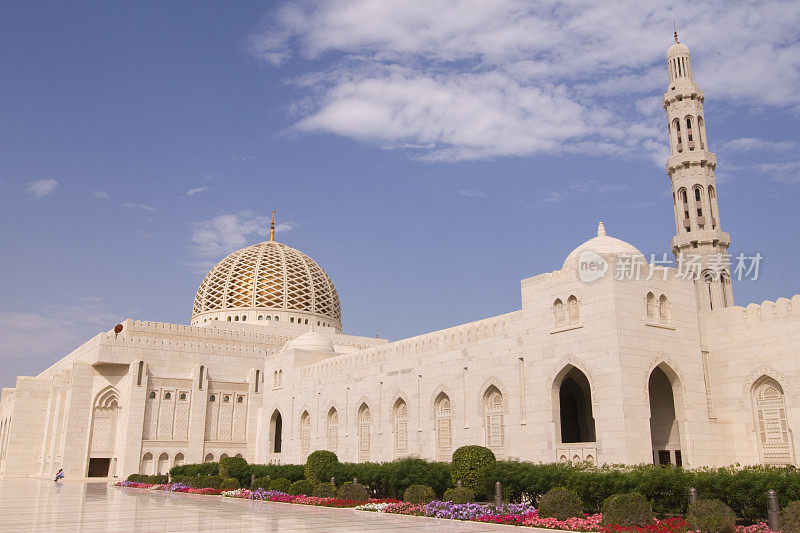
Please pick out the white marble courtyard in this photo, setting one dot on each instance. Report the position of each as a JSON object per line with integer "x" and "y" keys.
{"x": 35, "y": 505}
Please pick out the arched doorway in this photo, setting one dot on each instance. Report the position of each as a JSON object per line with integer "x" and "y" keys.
{"x": 333, "y": 430}
{"x": 102, "y": 442}
{"x": 665, "y": 435}
{"x": 400, "y": 420}
{"x": 772, "y": 426}
{"x": 305, "y": 433}
{"x": 180, "y": 460}
{"x": 493, "y": 418}
{"x": 576, "y": 422}
{"x": 276, "y": 431}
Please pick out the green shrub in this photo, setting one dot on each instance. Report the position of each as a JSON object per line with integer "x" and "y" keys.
{"x": 260, "y": 483}
{"x": 230, "y": 484}
{"x": 324, "y": 490}
{"x": 290, "y": 472}
{"x": 790, "y": 518}
{"x": 316, "y": 463}
{"x": 469, "y": 466}
{"x": 560, "y": 503}
{"x": 711, "y": 516}
{"x": 195, "y": 469}
{"x": 631, "y": 509}
{"x": 390, "y": 480}
{"x": 206, "y": 482}
{"x": 419, "y": 494}
{"x": 280, "y": 484}
{"x": 136, "y": 478}
{"x": 353, "y": 491}
{"x": 302, "y": 486}
{"x": 459, "y": 495}
{"x": 158, "y": 479}
{"x": 235, "y": 467}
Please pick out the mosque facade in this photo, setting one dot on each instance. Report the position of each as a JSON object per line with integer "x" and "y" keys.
{"x": 611, "y": 358}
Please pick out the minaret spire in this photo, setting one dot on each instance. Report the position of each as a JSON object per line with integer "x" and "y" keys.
{"x": 675, "y": 30}
{"x": 272, "y": 227}
{"x": 700, "y": 246}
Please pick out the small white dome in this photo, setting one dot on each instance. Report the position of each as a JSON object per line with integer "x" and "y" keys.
{"x": 311, "y": 341}
{"x": 677, "y": 49}
{"x": 602, "y": 245}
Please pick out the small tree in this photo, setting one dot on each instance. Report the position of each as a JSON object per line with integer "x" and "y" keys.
{"x": 316, "y": 463}
{"x": 470, "y": 464}
{"x": 561, "y": 504}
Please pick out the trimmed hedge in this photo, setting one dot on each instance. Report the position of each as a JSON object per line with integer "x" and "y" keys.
{"x": 561, "y": 504}
{"x": 743, "y": 489}
{"x": 390, "y": 480}
{"x": 200, "y": 482}
{"x": 197, "y": 469}
{"x": 324, "y": 490}
{"x": 280, "y": 484}
{"x": 302, "y": 486}
{"x": 316, "y": 463}
{"x": 419, "y": 494}
{"x": 631, "y": 509}
{"x": 158, "y": 479}
{"x": 471, "y": 464}
{"x": 230, "y": 484}
{"x": 260, "y": 483}
{"x": 711, "y": 516}
{"x": 235, "y": 467}
{"x": 459, "y": 495}
{"x": 290, "y": 472}
{"x": 353, "y": 491}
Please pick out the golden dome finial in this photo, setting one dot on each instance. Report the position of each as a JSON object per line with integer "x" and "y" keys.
{"x": 272, "y": 227}
{"x": 675, "y": 30}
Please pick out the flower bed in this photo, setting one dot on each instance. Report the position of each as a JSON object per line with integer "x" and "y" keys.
{"x": 517, "y": 514}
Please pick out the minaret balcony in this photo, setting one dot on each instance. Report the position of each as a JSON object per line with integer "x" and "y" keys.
{"x": 687, "y": 223}
{"x": 691, "y": 145}
{"x": 694, "y": 157}
{"x": 701, "y": 221}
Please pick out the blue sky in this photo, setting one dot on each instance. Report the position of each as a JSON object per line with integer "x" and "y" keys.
{"x": 428, "y": 155}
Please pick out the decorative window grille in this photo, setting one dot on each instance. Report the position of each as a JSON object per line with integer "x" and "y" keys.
{"x": 364, "y": 433}
{"x": 772, "y": 426}
{"x": 400, "y": 427}
{"x": 651, "y": 305}
{"x": 305, "y": 433}
{"x": 574, "y": 312}
{"x": 495, "y": 432}
{"x": 333, "y": 430}
{"x": 444, "y": 428}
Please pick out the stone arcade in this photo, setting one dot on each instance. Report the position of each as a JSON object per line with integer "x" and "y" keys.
{"x": 663, "y": 368}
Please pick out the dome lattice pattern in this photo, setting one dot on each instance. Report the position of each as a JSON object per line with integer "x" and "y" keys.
{"x": 268, "y": 275}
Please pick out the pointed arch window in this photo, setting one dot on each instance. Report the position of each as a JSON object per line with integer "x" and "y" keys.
{"x": 558, "y": 312}
{"x": 663, "y": 308}
{"x": 444, "y": 428}
{"x": 574, "y": 312}
{"x": 651, "y": 305}
{"x": 689, "y": 136}
{"x": 333, "y": 430}
{"x": 305, "y": 432}
{"x": 701, "y": 133}
{"x": 493, "y": 413}
{"x": 400, "y": 417}
{"x": 772, "y": 426}
{"x": 364, "y": 433}
{"x": 679, "y": 140}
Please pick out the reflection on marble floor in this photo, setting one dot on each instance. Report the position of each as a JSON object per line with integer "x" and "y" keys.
{"x": 32, "y": 505}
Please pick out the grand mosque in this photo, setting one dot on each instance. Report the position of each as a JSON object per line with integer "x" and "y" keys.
{"x": 611, "y": 358}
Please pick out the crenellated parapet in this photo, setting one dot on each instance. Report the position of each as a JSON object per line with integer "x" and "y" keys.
{"x": 451, "y": 338}
{"x": 782, "y": 309}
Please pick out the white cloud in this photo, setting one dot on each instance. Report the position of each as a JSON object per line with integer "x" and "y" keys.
{"x": 192, "y": 192}
{"x": 751, "y": 144}
{"x": 41, "y": 188}
{"x": 467, "y": 79}
{"x": 101, "y": 195}
{"x": 54, "y": 331}
{"x": 474, "y": 193}
{"x": 214, "y": 238}
{"x": 142, "y": 207}
{"x": 786, "y": 172}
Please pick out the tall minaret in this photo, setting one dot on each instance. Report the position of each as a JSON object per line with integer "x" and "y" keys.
{"x": 700, "y": 246}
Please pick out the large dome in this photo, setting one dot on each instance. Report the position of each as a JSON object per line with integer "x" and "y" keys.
{"x": 268, "y": 282}
{"x": 603, "y": 245}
